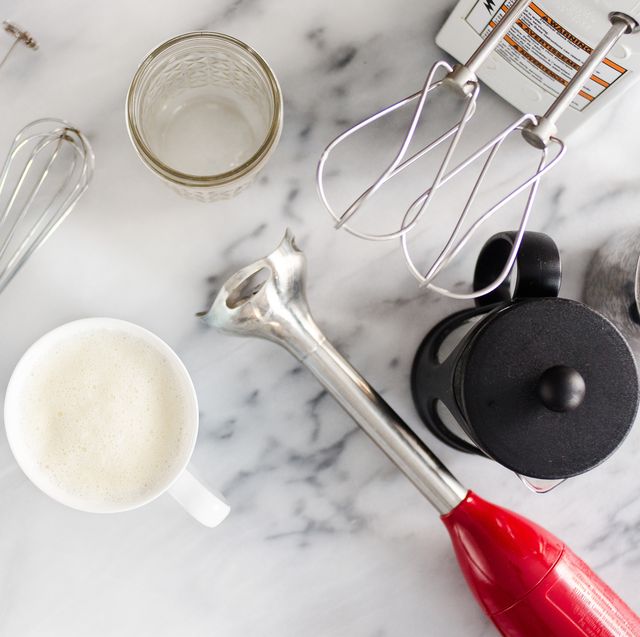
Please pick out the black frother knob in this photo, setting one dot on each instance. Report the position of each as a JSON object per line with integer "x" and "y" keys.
{"x": 561, "y": 388}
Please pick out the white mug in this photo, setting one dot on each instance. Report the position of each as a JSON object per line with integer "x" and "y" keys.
{"x": 206, "y": 506}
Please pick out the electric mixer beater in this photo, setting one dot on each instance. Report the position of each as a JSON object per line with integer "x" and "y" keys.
{"x": 539, "y": 133}
{"x": 526, "y": 580}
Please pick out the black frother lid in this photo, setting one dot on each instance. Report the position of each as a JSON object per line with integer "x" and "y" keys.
{"x": 550, "y": 387}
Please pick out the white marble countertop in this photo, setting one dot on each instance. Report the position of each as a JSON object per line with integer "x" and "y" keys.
{"x": 325, "y": 536}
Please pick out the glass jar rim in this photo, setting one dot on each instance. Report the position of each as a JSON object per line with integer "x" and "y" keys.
{"x": 186, "y": 179}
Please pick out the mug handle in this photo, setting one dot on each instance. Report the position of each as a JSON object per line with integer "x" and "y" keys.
{"x": 205, "y": 505}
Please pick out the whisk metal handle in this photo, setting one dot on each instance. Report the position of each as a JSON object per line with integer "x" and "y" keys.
{"x": 539, "y": 134}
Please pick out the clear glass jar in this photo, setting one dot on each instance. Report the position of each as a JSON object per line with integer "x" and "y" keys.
{"x": 204, "y": 112}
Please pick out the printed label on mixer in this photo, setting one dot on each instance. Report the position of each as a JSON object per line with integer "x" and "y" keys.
{"x": 589, "y": 605}
{"x": 543, "y": 50}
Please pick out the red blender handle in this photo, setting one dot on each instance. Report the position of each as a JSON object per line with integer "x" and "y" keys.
{"x": 527, "y": 581}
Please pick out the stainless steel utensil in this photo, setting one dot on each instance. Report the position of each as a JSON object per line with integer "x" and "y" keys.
{"x": 526, "y": 580}
{"x": 47, "y": 169}
{"x": 267, "y": 299}
{"x": 19, "y": 36}
{"x": 539, "y": 133}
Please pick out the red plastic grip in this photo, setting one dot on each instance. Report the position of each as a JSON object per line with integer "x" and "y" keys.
{"x": 527, "y": 581}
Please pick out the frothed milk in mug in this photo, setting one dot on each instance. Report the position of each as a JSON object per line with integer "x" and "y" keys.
{"x": 101, "y": 415}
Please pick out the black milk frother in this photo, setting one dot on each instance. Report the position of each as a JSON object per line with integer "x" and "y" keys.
{"x": 543, "y": 385}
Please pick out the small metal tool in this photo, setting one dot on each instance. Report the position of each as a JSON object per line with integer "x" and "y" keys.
{"x": 19, "y": 36}
{"x": 538, "y": 132}
{"x": 47, "y": 169}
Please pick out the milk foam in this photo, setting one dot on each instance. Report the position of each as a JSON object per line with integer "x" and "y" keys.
{"x": 103, "y": 418}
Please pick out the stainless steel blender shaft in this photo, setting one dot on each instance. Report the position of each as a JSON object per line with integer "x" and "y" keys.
{"x": 267, "y": 299}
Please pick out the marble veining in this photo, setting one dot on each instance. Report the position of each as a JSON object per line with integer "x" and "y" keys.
{"x": 325, "y": 537}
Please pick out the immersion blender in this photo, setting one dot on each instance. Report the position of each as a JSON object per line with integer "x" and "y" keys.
{"x": 528, "y": 582}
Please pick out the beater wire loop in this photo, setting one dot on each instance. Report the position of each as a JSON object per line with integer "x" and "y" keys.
{"x": 537, "y": 132}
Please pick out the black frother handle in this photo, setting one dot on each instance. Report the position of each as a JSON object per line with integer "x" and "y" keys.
{"x": 538, "y": 270}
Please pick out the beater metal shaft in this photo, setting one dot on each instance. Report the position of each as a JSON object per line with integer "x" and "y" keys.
{"x": 464, "y": 75}
{"x": 540, "y": 133}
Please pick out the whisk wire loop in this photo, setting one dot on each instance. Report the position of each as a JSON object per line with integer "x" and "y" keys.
{"x": 47, "y": 169}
